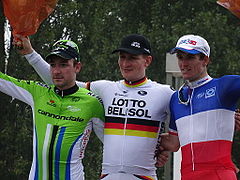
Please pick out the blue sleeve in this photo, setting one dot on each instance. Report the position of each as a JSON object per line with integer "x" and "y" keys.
{"x": 172, "y": 124}
{"x": 229, "y": 89}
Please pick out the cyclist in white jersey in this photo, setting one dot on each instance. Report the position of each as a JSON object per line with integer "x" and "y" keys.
{"x": 134, "y": 108}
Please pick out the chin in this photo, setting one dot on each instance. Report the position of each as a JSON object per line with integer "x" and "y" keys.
{"x": 126, "y": 77}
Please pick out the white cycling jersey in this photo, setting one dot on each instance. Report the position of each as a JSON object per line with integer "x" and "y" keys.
{"x": 134, "y": 113}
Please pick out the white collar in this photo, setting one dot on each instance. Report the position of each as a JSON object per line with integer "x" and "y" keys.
{"x": 199, "y": 82}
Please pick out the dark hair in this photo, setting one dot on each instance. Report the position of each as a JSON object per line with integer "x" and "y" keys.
{"x": 201, "y": 55}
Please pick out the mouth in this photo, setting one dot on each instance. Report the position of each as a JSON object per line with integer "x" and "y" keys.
{"x": 57, "y": 78}
{"x": 127, "y": 70}
{"x": 185, "y": 70}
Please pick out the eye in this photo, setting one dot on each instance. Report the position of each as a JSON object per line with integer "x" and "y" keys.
{"x": 190, "y": 56}
{"x": 179, "y": 56}
{"x": 63, "y": 65}
{"x": 134, "y": 57}
{"x": 52, "y": 65}
{"x": 122, "y": 56}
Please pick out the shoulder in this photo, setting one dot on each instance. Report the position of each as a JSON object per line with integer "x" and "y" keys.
{"x": 102, "y": 82}
{"x": 91, "y": 95}
{"x": 227, "y": 80}
{"x": 41, "y": 84}
{"x": 99, "y": 86}
{"x": 162, "y": 87}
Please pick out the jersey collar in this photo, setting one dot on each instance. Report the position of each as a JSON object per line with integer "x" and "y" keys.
{"x": 135, "y": 83}
{"x": 66, "y": 92}
{"x": 199, "y": 82}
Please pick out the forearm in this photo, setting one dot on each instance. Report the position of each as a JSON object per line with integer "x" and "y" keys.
{"x": 40, "y": 66}
{"x": 170, "y": 142}
{"x": 98, "y": 127}
{"x": 237, "y": 120}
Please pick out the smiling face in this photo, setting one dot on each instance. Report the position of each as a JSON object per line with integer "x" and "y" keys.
{"x": 133, "y": 67}
{"x": 64, "y": 72}
{"x": 193, "y": 66}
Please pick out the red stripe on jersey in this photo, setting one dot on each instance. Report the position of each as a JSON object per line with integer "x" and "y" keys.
{"x": 144, "y": 177}
{"x": 142, "y": 128}
{"x": 173, "y": 133}
{"x": 114, "y": 125}
{"x": 207, "y": 155}
{"x": 132, "y": 127}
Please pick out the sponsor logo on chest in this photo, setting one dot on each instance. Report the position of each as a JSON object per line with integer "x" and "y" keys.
{"x": 128, "y": 107}
{"x": 208, "y": 93}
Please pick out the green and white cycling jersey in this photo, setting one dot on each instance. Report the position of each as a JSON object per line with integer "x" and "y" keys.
{"x": 61, "y": 126}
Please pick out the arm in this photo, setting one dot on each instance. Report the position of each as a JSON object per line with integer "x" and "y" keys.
{"x": 98, "y": 127}
{"x": 98, "y": 120}
{"x": 34, "y": 59}
{"x": 162, "y": 157}
{"x": 19, "y": 89}
{"x": 170, "y": 142}
{"x": 237, "y": 120}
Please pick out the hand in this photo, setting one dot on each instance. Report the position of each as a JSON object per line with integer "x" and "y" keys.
{"x": 23, "y": 45}
{"x": 237, "y": 119}
{"x": 164, "y": 136}
{"x": 237, "y": 170}
{"x": 162, "y": 157}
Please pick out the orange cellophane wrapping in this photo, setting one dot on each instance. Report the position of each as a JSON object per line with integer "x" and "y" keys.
{"x": 231, "y": 5}
{"x": 25, "y": 16}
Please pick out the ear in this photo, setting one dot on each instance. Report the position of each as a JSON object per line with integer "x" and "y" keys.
{"x": 78, "y": 67}
{"x": 206, "y": 60}
{"x": 148, "y": 60}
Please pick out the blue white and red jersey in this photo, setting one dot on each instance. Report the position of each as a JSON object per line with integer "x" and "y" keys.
{"x": 205, "y": 124}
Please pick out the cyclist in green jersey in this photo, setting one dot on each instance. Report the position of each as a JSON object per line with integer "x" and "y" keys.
{"x": 63, "y": 115}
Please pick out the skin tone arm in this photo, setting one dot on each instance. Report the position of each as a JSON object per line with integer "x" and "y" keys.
{"x": 24, "y": 45}
{"x": 237, "y": 120}
{"x": 170, "y": 142}
{"x": 162, "y": 157}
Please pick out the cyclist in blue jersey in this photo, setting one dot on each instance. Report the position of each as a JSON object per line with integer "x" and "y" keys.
{"x": 63, "y": 115}
{"x": 202, "y": 115}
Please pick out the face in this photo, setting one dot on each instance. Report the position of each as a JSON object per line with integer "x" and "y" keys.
{"x": 133, "y": 67}
{"x": 63, "y": 72}
{"x": 192, "y": 66}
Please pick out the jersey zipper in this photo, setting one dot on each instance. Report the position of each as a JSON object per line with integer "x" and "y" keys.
{"x": 192, "y": 130}
{"x": 124, "y": 136}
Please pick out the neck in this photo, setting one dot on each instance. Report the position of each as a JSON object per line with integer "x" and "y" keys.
{"x": 199, "y": 82}
{"x": 64, "y": 92}
{"x": 135, "y": 83}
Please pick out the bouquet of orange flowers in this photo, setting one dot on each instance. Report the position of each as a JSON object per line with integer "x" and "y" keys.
{"x": 25, "y": 16}
{"x": 231, "y": 5}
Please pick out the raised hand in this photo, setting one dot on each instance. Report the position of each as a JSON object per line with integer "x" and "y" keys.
{"x": 22, "y": 44}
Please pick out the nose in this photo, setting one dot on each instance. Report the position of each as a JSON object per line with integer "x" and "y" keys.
{"x": 125, "y": 62}
{"x": 183, "y": 62}
{"x": 56, "y": 70}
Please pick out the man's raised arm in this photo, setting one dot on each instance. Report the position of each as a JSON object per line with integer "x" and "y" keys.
{"x": 34, "y": 59}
